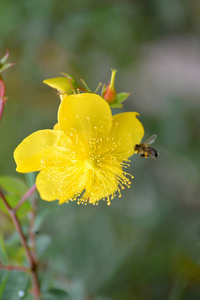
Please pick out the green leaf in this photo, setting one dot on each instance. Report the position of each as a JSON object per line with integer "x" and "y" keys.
{"x": 15, "y": 188}
{"x": 30, "y": 178}
{"x": 13, "y": 185}
{"x": 3, "y": 253}
{"x": 72, "y": 80}
{"x": 43, "y": 242}
{"x": 116, "y": 105}
{"x": 122, "y": 96}
{"x": 55, "y": 294}
{"x": 13, "y": 200}
{"x": 5, "y": 66}
{"x": 40, "y": 218}
{"x": 3, "y": 281}
{"x": 13, "y": 240}
{"x": 17, "y": 284}
{"x": 4, "y": 58}
{"x": 15, "y": 250}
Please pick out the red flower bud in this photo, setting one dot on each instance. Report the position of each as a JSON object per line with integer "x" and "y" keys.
{"x": 3, "y": 67}
{"x": 110, "y": 94}
{"x": 2, "y": 94}
{"x": 2, "y": 88}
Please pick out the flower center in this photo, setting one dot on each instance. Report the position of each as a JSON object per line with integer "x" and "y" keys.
{"x": 90, "y": 163}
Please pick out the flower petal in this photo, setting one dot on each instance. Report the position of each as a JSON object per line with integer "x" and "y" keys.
{"x": 59, "y": 83}
{"x": 47, "y": 187}
{"x": 127, "y": 130}
{"x": 28, "y": 154}
{"x": 56, "y": 126}
{"x": 86, "y": 113}
{"x": 52, "y": 187}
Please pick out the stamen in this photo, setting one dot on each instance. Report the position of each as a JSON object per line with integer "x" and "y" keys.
{"x": 87, "y": 170}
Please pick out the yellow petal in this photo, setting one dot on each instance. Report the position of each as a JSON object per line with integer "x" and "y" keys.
{"x": 59, "y": 83}
{"x": 86, "y": 113}
{"x": 52, "y": 187}
{"x": 128, "y": 131}
{"x": 28, "y": 155}
{"x": 47, "y": 187}
{"x": 56, "y": 126}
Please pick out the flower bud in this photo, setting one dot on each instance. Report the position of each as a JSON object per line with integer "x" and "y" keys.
{"x": 3, "y": 67}
{"x": 110, "y": 94}
{"x": 2, "y": 96}
{"x": 65, "y": 84}
{"x": 2, "y": 88}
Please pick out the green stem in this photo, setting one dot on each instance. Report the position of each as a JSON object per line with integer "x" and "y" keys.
{"x": 86, "y": 86}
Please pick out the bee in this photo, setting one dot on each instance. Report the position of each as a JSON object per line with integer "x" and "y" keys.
{"x": 145, "y": 150}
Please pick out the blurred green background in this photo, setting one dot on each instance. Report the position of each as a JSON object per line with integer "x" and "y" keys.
{"x": 146, "y": 245}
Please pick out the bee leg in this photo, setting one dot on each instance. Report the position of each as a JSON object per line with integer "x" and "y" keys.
{"x": 146, "y": 155}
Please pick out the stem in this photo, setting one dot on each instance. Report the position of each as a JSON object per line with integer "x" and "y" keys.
{"x": 31, "y": 260}
{"x": 25, "y": 197}
{"x": 97, "y": 88}
{"x": 87, "y": 87}
{"x": 22, "y": 237}
{"x": 5, "y": 201}
{"x": 14, "y": 268}
{"x": 35, "y": 285}
{"x": 31, "y": 229}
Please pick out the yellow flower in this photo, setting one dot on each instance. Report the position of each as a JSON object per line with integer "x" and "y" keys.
{"x": 83, "y": 157}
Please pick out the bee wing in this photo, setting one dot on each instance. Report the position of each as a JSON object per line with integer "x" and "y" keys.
{"x": 151, "y": 140}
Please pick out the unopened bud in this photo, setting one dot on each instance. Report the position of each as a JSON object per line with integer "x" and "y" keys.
{"x": 62, "y": 84}
{"x": 110, "y": 94}
{"x": 2, "y": 96}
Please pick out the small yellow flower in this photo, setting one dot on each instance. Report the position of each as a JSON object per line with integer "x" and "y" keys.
{"x": 83, "y": 157}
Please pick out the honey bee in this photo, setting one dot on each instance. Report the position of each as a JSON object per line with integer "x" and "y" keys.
{"x": 145, "y": 150}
